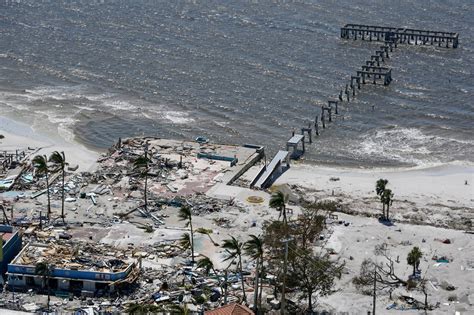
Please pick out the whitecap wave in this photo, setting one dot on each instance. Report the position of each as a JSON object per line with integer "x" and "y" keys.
{"x": 177, "y": 117}
{"x": 409, "y": 145}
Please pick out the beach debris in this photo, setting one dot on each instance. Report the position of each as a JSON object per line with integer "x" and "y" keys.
{"x": 447, "y": 286}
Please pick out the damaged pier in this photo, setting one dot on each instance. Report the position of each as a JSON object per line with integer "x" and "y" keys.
{"x": 401, "y": 35}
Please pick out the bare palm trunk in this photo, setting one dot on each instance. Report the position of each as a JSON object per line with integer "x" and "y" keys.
{"x": 225, "y": 287}
{"x": 46, "y": 282}
{"x": 62, "y": 201}
{"x": 211, "y": 239}
{"x": 426, "y": 297}
{"x": 145, "y": 192}
{"x": 310, "y": 302}
{"x": 255, "y": 294}
{"x": 388, "y": 208}
{"x": 383, "y": 210}
{"x": 192, "y": 239}
{"x": 49, "y": 198}
{"x": 261, "y": 288}
{"x": 242, "y": 278}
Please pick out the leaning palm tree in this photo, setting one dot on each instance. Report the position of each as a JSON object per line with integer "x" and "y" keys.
{"x": 45, "y": 270}
{"x": 278, "y": 201}
{"x": 414, "y": 257}
{"x": 254, "y": 249}
{"x": 207, "y": 232}
{"x": 387, "y": 199}
{"x": 380, "y": 186}
{"x": 60, "y": 160}
{"x": 141, "y": 164}
{"x": 40, "y": 163}
{"x": 233, "y": 249}
{"x": 185, "y": 214}
{"x": 207, "y": 264}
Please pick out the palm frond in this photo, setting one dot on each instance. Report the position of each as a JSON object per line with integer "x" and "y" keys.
{"x": 184, "y": 213}
{"x": 185, "y": 241}
{"x": 232, "y": 247}
{"x": 277, "y": 200}
{"x": 40, "y": 163}
{"x": 254, "y": 247}
{"x": 58, "y": 158}
{"x": 206, "y": 264}
{"x": 141, "y": 162}
{"x": 43, "y": 269}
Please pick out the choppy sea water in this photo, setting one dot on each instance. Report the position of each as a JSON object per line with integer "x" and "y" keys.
{"x": 239, "y": 72}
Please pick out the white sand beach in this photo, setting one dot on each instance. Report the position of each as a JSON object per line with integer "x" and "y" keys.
{"x": 443, "y": 184}
{"x": 19, "y": 136}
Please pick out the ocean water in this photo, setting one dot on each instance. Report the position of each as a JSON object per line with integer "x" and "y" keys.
{"x": 239, "y": 72}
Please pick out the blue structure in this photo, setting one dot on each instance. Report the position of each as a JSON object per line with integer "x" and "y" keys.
{"x": 11, "y": 246}
{"x": 233, "y": 160}
{"x": 70, "y": 277}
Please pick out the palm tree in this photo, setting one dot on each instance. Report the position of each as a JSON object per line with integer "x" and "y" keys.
{"x": 207, "y": 264}
{"x": 185, "y": 214}
{"x": 278, "y": 201}
{"x": 233, "y": 249}
{"x": 60, "y": 160}
{"x": 254, "y": 249}
{"x": 45, "y": 270}
{"x": 141, "y": 163}
{"x": 414, "y": 257}
{"x": 380, "y": 186}
{"x": 40, "y": 163}
{"x": 185, "y": 241}
{"x": 387, "y": 200}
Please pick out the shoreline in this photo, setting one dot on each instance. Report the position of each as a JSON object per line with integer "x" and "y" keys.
{"x": 21, "y": 136}
{"x": 442, "y": 183}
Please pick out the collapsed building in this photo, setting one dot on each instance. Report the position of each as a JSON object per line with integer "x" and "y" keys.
{"x": 11, "y": 245}
{"x": 76, "y": 269}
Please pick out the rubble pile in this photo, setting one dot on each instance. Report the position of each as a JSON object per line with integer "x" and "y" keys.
{"x": 76, "y": 255}
{"x": 110, "y": 224}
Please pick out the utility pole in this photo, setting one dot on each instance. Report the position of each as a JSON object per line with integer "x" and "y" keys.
{"x": 375, "y": 288}
{"x": 285, "y": 269}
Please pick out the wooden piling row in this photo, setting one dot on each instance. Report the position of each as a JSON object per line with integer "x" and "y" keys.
{"x": 373, "y": 70}
{"x": 7, "y": 159}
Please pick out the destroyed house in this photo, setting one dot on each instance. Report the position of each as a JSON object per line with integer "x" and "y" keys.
{"x": 74, "y": 270}
{"x": 11, "y": 245}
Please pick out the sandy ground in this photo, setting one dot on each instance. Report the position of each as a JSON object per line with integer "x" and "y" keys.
{"x": 21, "y": 136}
{"x": 441, "y": 184}
{"x": 436, "y": 196}
{"x": 358, "y": 241}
